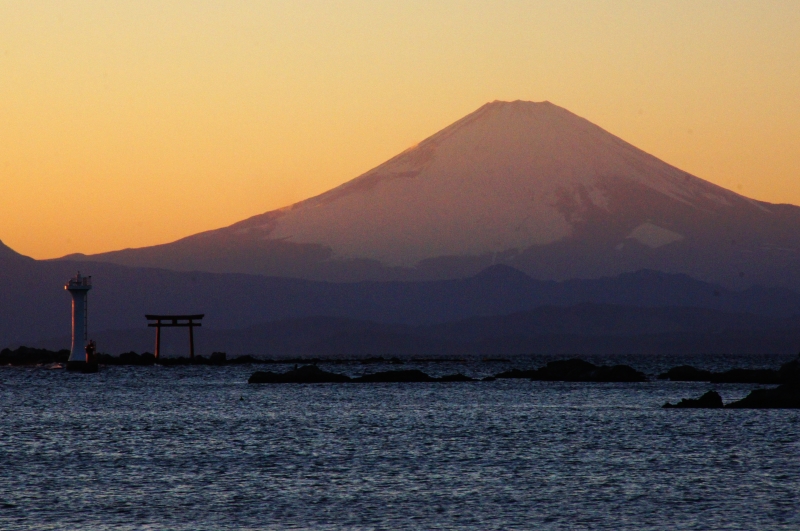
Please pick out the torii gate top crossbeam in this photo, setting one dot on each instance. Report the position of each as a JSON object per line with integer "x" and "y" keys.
{"x": 173, "y": 320}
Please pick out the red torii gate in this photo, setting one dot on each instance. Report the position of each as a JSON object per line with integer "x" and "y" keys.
{"x": 175, "y": 320}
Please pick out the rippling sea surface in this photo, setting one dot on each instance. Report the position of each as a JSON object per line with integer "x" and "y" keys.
{"x": 198, "y": 448}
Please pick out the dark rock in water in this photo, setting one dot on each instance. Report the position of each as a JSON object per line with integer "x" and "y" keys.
{"x": 757, "y": 376}
{"x": 686, "y": 373}
{"x": 305, "y": 374}
{"x": 790, "y": 372}
{"x": 709, "y": 400}
{"x": 395, "y": 376}
{"x": 488, "y": 379}
{"x": 786, "y": 396}
{"x": 456, "y": 378}
{"x": 577, "y": 370}
{"x": 517, "y": 373}
{"x": 617, "y": 373}
{"x": 573, "y": 370}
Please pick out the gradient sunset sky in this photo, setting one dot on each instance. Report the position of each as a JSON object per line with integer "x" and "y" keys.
{"x": 125, "y": 124}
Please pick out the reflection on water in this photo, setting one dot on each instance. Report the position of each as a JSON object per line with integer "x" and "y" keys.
{"x": 197, "y": 448}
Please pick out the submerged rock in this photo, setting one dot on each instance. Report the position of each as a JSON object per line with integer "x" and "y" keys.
{"x": 617, "y": 373}
{"x": 305, "y": 374}
{"x": 709, "y": 400}
{"x": 456, "y": 378}
{"x": 517, "y": 373}
{"x": 412, "y": 375}
{"x": 790, "y": 372}
{"x": 313, "y": 374}
{"x": 566, "y": 370}
{"x": 686, "y": 373}
{"x": 577, "y": 370}
{"x": 786, "y": 396}
{"x": 756, "y": 376}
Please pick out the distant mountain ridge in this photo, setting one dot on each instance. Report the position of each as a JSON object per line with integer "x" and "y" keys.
{"x": 35, "y": 307}
{"x": 525, "y": 184}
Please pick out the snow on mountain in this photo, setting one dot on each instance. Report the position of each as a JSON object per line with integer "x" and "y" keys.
{"x": 523, "y": 183}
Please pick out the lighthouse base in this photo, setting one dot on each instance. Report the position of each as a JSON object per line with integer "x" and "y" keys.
{"x": 82, "y": 366}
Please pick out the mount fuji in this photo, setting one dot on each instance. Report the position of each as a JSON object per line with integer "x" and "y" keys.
{"x": 525, "y": 184}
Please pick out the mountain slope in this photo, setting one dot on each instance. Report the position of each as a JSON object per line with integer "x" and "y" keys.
{"x": 9, "y": 257}
{"x": 527, "y": 184}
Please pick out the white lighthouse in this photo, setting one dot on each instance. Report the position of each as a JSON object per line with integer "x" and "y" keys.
{"x": 79, "y": 287}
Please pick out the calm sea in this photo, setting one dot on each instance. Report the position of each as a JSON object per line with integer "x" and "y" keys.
{"x": 195, "y": 448}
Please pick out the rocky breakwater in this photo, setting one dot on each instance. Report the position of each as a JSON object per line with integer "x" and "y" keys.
{"x": 24, "y": 356}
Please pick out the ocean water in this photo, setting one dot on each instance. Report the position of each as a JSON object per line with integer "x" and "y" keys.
{"x": 194, "y": 448}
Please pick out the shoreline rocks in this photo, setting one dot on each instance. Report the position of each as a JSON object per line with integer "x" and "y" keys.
{"x": 786, "y": 396}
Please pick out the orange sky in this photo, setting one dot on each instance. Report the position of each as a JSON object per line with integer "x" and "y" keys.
{"x": 124, "y": 124}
